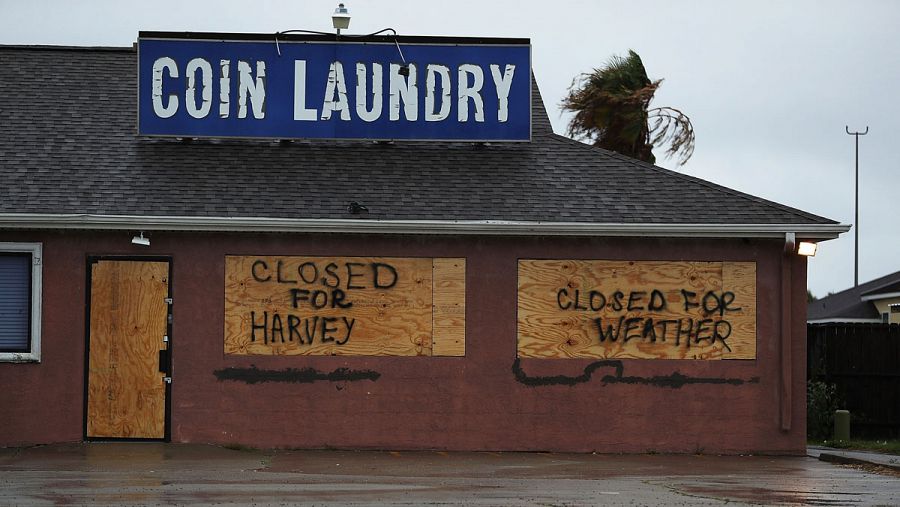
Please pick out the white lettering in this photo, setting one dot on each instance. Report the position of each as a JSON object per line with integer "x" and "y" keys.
{"x": 163, "y": 110}
{"x": 301, "y": 113}
{"x": 431, "y": 71}
{"x": 361, "y": 110}
{"x": 503, "y": 83}
{"x": 336, "y": 83}
{"x": 254, "y": 90}
{"x": 224, "y": 88}
{"x": 405, "y": 89}
{"x": 467, "y": 92}
{"x": 368, "y": 101}
{"x": 190, "y": 95}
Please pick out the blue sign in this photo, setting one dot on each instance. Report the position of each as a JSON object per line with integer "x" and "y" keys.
{"x": 327, "y": 89}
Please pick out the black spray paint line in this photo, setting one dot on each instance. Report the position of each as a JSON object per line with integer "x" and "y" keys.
{"x": 675, "y": 380}
{"x": 556, "y": 380}
{"x": 254, "y": 375}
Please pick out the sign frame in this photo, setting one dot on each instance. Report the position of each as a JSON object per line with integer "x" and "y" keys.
{"x": 280, "y": 41}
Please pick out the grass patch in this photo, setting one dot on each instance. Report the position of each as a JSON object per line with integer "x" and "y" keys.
{"x": 890, "y": 446}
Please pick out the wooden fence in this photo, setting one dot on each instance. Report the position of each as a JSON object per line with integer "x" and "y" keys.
{"x": 863, "y": 363}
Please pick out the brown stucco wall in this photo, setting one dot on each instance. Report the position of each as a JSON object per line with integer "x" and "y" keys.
{"x": 470, "y": 403}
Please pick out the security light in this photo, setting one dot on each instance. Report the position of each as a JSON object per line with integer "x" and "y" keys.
{"x": 807, "y": 248}
{"x": 341, "y": 18}
{"x": 140, "y": 240}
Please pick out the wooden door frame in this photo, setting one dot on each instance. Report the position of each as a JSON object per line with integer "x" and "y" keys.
{"x": 93, "y": 259}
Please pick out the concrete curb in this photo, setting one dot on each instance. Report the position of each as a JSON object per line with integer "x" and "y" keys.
{"x": 848, "y": 460}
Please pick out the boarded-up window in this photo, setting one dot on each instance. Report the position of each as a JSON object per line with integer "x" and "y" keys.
{"x": 363, "y": 306}
{"x": 15, "y": 302}
{"x": 636, "y": 309}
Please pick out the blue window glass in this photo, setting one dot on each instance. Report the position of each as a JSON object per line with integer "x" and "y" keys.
{"x": 15, "y": 302}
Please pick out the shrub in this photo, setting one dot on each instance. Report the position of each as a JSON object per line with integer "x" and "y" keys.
{"x": 821, "y": 402}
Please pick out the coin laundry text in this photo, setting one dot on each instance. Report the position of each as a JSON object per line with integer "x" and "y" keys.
{"x": 364, "y": 98}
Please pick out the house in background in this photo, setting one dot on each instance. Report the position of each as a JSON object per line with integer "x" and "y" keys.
{"x": 877, "y": 301}
{"x": 853, "y": 346}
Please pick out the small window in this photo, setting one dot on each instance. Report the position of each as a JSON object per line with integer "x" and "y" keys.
{"x": 895, "y": 308}
{"x": 20, "y": 302}
{"x": 885, "y": 318}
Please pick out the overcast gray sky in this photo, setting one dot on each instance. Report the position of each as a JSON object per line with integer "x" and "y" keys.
{"x": 768, "y": 85}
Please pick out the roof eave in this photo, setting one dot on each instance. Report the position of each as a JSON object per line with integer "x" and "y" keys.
{"x": 847, "y": 320}
{"x": 815, "y": 232}
{"x": 878, "y": 296}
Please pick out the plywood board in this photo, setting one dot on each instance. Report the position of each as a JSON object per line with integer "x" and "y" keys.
{"x": 334, "y": 305}
{"x": 637, "y": 309}
{"x": 449, "y": 307}
{"x": 128, "y": 320}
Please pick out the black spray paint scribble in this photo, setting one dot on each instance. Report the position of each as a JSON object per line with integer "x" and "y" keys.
{"x": 254, "y": 375}
{"x": 675, "y": 380}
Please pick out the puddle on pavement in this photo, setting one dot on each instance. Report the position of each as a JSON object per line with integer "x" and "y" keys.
{"x": 771, "y": 496}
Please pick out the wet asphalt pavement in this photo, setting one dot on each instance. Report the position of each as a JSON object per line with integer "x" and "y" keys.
{"x": 178, "y": 474}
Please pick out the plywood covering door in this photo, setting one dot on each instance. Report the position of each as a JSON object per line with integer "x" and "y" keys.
{"x": 126, "y": 394}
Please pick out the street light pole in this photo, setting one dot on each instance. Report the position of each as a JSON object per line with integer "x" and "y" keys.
{"x": 856, "y": 208}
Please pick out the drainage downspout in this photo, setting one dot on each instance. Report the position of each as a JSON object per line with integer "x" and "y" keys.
{"x": 790, "y": 244}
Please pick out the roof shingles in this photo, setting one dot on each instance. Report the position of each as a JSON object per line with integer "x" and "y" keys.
{"x": 848, "y": 304}
{"x": 68, "y": 145}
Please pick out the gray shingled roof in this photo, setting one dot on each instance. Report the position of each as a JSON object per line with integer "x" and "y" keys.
{"x": 848, "y": 304}
{"x": 68, "y": 145}
{"x": 889, "y": 288}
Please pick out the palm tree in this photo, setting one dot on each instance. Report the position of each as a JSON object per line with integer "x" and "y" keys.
{"x": 612, "y": 110}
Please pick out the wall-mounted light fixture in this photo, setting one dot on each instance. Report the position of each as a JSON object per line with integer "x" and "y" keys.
{"x": 341, "y": 18}
{"x": 807, "y": 248}
{"x": 140, "y": 240}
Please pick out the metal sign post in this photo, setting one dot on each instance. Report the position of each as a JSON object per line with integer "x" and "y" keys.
{"x": 856, "y": 207}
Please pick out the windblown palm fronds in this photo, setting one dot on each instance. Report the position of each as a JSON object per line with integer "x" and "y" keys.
{"x": 612, "y": 110}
